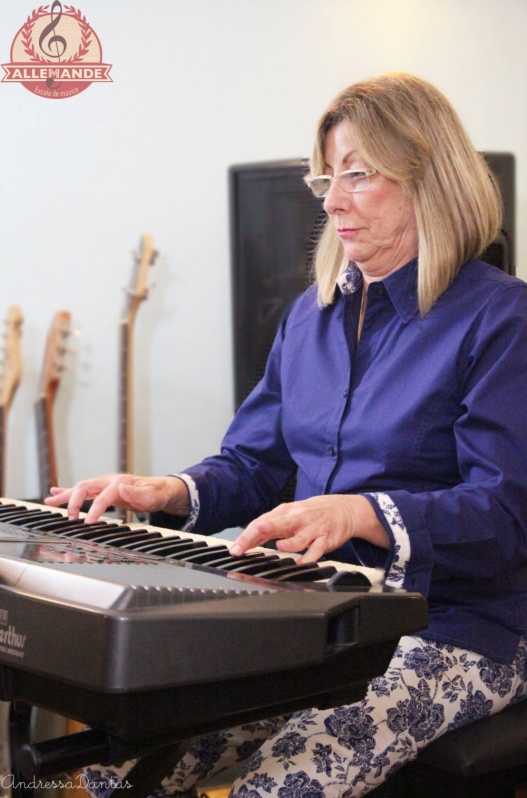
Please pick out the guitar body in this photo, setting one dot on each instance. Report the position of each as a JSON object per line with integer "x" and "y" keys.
{"x": 11, "y": 376}
{"x": 51, "y": 374}
{"x": 136, "y": 293}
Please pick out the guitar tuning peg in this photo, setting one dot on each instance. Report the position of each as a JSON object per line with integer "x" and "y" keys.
{"x": 129, "y": 291}
{"x": 76, "y": 333}
{"x": 73, "y": 351}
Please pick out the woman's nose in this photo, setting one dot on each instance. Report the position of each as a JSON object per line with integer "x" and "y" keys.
{"x": 337, "y": 200}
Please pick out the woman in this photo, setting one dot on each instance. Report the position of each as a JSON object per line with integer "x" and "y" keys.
{"x": 396, "y": 390}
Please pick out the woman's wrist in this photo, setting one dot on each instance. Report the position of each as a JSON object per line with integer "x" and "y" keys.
{"x": 366, "y": 525}
{"x": 178, "y": 497}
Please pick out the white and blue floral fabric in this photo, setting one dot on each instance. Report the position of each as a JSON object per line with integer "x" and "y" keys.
{"x": 430, "y": 688}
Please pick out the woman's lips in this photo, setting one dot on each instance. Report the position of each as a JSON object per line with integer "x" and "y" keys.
{"x": 344, "y": 231}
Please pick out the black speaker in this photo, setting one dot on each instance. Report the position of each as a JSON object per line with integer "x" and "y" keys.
{"x": 275, "y": 223}
{"x": 501, "y": 252}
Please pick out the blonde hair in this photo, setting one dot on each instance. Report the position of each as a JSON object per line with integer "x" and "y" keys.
{"x": 403, "y": 127}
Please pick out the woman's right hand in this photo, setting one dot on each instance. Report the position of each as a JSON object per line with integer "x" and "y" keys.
{"x": 125, "y": 491}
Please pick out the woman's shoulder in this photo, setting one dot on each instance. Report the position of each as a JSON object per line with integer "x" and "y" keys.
{"x": 304, "y": 308}
{"x": 482, "y": 286}
{"x": 491, "y": 302}
{"x": 490, "y": 278}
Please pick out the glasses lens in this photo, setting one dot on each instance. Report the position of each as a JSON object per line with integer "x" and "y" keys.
{"x": 319, "y": 185}
{"x": 354, "y": 181}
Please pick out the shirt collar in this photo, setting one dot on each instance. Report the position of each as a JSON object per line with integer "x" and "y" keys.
{"x": 401, "y": 286}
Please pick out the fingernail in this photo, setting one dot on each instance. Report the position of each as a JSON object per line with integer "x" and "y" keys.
{"x": 235, "y": 550}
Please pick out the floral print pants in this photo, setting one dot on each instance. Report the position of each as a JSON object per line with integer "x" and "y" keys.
{"x": 429, "y": 689}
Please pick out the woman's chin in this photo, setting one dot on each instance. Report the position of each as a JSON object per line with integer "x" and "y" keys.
{"x": 355, "y": 253}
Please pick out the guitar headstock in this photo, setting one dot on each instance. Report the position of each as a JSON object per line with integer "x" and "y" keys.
{"x": 137, "y": 290}
{"x": 12, "y": 365}
{"x": 55, "y": 354}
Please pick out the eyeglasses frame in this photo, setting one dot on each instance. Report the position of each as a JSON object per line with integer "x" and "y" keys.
{"x": 367, "y": 173}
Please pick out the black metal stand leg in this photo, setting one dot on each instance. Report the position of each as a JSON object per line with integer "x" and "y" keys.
{"x": 19, "y": 733}
{"x": 151, "y": 769}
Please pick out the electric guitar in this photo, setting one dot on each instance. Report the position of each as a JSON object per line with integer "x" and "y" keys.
{"x": 136, "y": 293}
{"x": 10, "y": 379}
{"x": 52, "y": 368}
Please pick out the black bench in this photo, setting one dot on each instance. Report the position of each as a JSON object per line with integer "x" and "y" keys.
{"x": 486, "y": 759}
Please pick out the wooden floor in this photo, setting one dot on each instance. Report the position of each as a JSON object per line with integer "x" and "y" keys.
{"x": 223, "y": 792}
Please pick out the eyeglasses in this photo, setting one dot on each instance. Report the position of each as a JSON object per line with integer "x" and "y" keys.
{"x": 350, "y": 181}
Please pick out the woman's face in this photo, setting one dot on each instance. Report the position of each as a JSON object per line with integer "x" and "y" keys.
{"x": 377, "y": 225}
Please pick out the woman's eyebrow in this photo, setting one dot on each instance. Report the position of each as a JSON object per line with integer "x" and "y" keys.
{"x": 344, "y": 160}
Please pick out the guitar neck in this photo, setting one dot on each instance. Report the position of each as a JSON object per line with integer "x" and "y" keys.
{"x": 136, "y": 293}
{"x": 47, "y": 464}
{"x": 126, "y": 458}
{"x": 10, "y": 379}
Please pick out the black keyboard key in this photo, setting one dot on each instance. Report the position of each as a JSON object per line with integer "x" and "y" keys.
{"x": 78, "y": 530}
{"x": 222, "y": 561}
{"x": 259, "y": 564}
{"x": 45, "y": 522}
{"x": 271, "y": 563}
{"x": 149, "y": 539}
{"x": 245, "y": 561}
{"x": 210, "y": 553}
{"x": 188, "y": 547}
{"x": 159, "y": 547}
{"x": 18, "y": 516}
{"x": 98, "y": 531}
{"x": 307, "y": 572}
{"x": 282, "y": 568}
{"x": 180, "y": 551}
{"x": 20, "y": 520}
{"x": 121, "y": 538}
{"x": 59, "y": 526}
{"x": 4, "y": 508}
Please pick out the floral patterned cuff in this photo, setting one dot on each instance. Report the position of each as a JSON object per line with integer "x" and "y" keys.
{"x": 402, "y": 549}
{"x": 194, "y": 501}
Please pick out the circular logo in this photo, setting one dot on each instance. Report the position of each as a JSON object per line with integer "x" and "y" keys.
{"x": 56, "y": 54}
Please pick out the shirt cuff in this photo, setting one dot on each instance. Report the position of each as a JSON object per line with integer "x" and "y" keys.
{"x": 193, "y": 496}
{"x": 401, "y": 550}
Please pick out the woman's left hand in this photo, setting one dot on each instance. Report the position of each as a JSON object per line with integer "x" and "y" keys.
{"x": 319, "y": 525}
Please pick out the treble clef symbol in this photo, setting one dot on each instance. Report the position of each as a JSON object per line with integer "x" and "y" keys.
{"x": 56, "y": 39}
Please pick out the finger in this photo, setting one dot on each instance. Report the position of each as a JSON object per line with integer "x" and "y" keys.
{"x": 58, "y": 496}
{"x": 315, "y": 551}
{"x": 255, "y": 534}
{"x": 299, "y": 541}
{"x": 101, "y": 502}
{"x": 58, "y": 499}
{"x": 267, "y": 527}
{"x": 78, "y": 496}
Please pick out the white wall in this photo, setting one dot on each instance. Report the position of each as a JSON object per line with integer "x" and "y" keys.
{"x": 198, "y": 85}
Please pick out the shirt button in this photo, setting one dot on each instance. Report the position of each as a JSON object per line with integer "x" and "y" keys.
{"x": 345, "y": 392}
{"x": 331, "y": 450}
